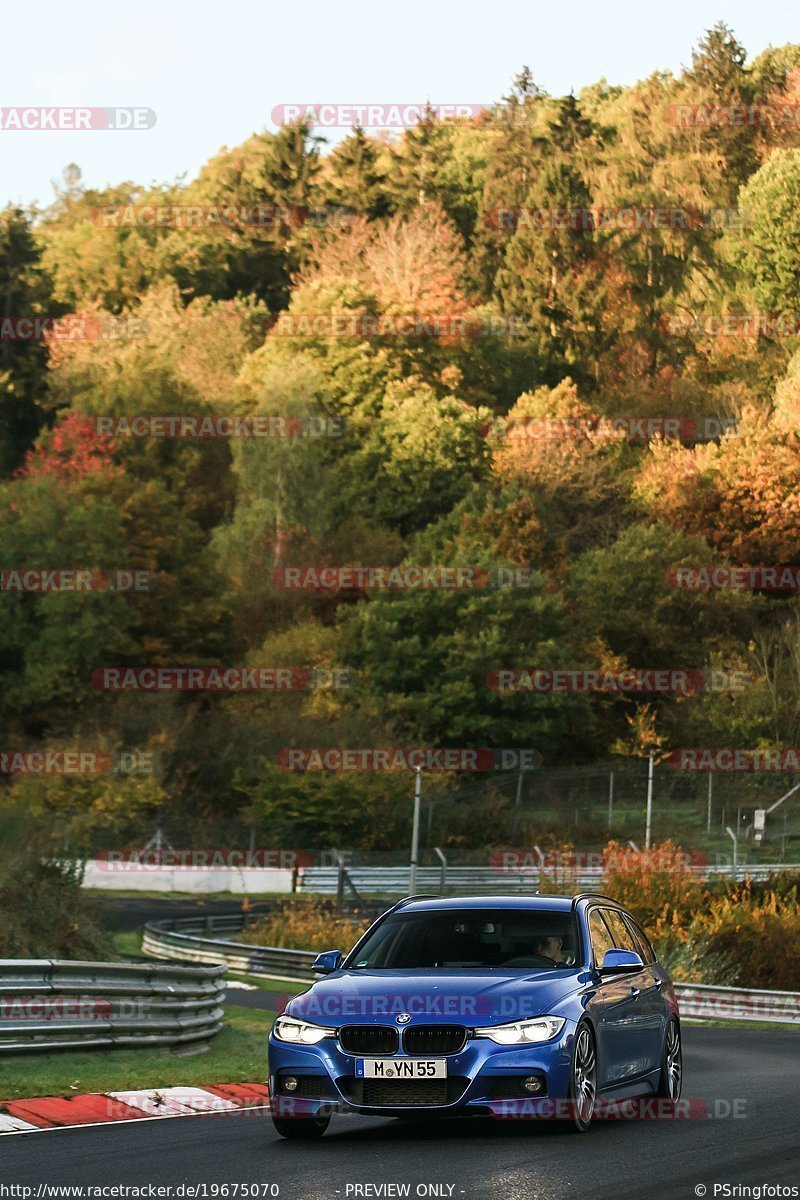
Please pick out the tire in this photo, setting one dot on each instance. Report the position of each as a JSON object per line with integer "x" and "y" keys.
{"x": 583, "y": 1079}
{"x": 671, "y": 1077}
{"x": 307, "y": 1128}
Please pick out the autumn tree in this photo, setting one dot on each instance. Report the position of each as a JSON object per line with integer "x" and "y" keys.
{"x": 742, "y": 494}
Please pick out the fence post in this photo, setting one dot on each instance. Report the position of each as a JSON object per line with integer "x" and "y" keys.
{"x": 517, "y": 806}
{"x": 735, "y": 840}
{"x": 610, "y": 799}
{"x": 412, "y": 870}
{"x": 443, "y": 873}
{"x": 710, "y": 791}
{"x": 339, "y": 882}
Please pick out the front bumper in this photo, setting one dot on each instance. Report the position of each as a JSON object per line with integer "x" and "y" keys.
{"x": 484, "y": 1079}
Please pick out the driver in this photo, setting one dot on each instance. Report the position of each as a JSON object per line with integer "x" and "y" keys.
{"x": 549, "y": 947}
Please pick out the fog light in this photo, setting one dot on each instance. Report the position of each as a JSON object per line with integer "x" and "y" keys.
{"x": 532, "y": 1083}
{"x": 290, "y": 1084}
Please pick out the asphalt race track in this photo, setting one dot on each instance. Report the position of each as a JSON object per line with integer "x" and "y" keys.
{"x": 131, "y": 912}
{"x": 651, "y": 1160}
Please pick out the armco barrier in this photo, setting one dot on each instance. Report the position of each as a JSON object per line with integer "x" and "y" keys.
{"x": 393, "y": 881}
{"x": 486, "y": 880}
{"x": 50, "y": 1004}
{"x": 181, "y": 940}
{"x": 702, "y": 1001}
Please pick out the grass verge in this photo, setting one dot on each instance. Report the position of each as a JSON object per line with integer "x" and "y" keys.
{"x": 266, "y": 983}
{"x": 236, "y": 1055}
{"x": 127, "y": 943}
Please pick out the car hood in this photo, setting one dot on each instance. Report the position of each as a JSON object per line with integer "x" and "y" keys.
{"x": 479, "y": 997}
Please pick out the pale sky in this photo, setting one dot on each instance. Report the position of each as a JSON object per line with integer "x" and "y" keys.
{"x": 213, "y": 72}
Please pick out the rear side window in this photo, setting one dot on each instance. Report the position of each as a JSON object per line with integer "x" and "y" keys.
{"x": 646, "y": 950}
{"x": 623, "y": 938}
{"x": 600, "y": 935}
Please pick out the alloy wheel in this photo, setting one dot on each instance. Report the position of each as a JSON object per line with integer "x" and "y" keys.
{"x": 674, "y": 1061}
{"x": 584, "y": 1078}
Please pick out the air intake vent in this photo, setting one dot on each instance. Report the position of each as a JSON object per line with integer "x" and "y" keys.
{"x": 404, "y": 1093}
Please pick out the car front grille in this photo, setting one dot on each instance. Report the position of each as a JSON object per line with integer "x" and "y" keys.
{"x": 434, "y": 1039}
{"x": 403, "y": 1093}
{"x": 368, "y": 1039}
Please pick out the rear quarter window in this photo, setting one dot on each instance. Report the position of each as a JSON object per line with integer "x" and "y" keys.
{"x": 645, "y": 949}
{"x": 600, "y": 936}
{"x": 623, "y": 935}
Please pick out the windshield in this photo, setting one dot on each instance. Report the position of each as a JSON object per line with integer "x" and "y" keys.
{"x": 475, "y": 937}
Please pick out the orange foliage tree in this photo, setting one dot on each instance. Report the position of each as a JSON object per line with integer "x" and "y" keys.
{"x": 412, "y": 263}
{"x": 741, "y": 494}
{"x": 70, "y": 451}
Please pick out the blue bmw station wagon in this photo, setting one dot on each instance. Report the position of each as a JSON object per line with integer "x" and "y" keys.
{"x": 503, "y": 1006}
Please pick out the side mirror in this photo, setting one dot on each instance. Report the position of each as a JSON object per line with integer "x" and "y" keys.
{"x": 327, "y": 963}
{"x": 621, "y": 962}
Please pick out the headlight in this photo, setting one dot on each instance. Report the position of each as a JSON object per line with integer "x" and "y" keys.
{"x": 518, "y": 1032}
{"x": 287, "y": 1029}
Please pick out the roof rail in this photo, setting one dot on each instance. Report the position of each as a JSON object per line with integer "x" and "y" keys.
{"x": 593, "y": 896}
{"x": 418, "y": 896}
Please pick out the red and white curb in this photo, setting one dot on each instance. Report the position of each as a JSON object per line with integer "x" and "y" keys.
{"x": 96, "y": 1108}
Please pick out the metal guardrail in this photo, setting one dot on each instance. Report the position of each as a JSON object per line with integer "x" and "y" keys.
{"x": 393, "y": 881}
{"x": 703, "y": 1001}
{"x": 53, "y": 1004}
{"x": 181, "y": 940}
{"x": 465, "y": 881}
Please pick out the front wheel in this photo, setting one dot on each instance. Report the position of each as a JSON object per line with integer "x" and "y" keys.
{"x": 301, "y": 1127}
{"x": 671, "y": 1077}
{"x": 583, "y": 1079}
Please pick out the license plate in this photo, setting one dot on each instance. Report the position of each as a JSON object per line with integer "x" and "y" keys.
{"x": 401, "y": 1068}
